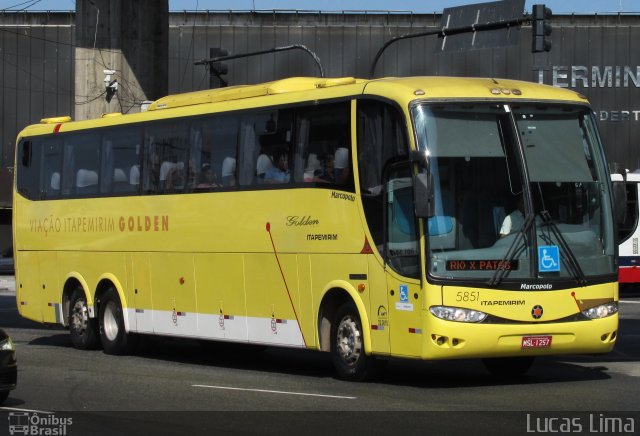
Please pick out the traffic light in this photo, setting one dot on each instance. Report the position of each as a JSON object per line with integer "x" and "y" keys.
{"x": 217, "y": 69}
{"x": 540, "y": 29}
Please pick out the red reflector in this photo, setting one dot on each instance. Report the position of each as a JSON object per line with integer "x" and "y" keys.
{"x": 56, "y": 129}
{"x": 366, "y": 249}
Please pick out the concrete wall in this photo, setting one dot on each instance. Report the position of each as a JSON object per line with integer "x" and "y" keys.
{"x": 129, "y": 37}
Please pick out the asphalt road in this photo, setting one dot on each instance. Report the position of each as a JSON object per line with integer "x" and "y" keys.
{"x": 253, "y": 390}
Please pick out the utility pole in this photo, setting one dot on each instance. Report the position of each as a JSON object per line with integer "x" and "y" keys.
{"x": 121, "y": 58}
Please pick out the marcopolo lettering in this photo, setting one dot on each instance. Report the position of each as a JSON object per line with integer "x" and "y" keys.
{"x": 527, "y": 287}
{"x": 343, "y": 196}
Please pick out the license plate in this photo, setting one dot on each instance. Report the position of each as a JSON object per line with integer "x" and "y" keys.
{"x": 536, "y": 341}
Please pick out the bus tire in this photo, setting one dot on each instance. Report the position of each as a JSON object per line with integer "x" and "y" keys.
{"x": 115, "y": 339}
{"x": 83, "y": 330}
{"x": 347, "y": 346}
{"x": 508, "y": 367}
{"x": 3, "y": 396}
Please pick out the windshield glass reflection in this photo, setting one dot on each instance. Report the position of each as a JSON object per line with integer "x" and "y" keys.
{"x": 482, "y": 201}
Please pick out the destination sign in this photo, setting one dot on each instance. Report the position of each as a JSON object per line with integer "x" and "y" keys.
{"x": 481, "y": 265}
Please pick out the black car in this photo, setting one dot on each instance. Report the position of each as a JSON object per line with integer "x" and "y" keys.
{"x": 8, "y": 366}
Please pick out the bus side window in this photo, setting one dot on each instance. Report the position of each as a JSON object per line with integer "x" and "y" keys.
{"x": 401, "y": 237}
{"x": 323, "y": 144}
{"x": 381, "y": 138}
{"x": 80, "y": 169}
{"x": 120, "y": 155}
{"x": 262, "y": 134}
{"x": 215, "y": 159}
{"x": 51, "y": 169}
{"x": 628, "y": 217}
{"x": 30, "y": 181}
{"x": 165, "y": 167}
{"x": 248, "y": 153}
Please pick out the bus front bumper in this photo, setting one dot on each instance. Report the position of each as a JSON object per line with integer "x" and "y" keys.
{"x": 452, "y": 340}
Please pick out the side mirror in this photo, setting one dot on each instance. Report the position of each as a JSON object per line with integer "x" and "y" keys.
{"x": 423, "y": 195}
{"x": 419, "y": 157}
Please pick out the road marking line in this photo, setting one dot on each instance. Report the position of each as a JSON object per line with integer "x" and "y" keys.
{"x": 26, "y": 410}
{"x": 629, "y": 301}
{"x": 275, "y": 392}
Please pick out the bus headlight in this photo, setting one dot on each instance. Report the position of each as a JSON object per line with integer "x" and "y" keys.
{"x": 457, "y": 314}
{"x": 602, "y": 311}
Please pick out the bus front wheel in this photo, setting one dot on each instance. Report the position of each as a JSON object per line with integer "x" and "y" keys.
{"x": 83, "y": 330}
{"x": 115, "y": 340}
{"x": 347, "y": 346}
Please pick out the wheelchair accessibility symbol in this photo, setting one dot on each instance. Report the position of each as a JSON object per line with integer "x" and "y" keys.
{"x": 548, "y": 258}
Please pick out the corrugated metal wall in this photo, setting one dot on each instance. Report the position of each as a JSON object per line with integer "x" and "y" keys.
{"x": 37, "y": 71}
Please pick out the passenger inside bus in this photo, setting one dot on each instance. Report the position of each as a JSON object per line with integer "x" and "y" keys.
{"x": 328, "y": 174}
{"x": 174, "y": 178}
{"x": 207, "y": 178}
{"x": 279, "y": 173}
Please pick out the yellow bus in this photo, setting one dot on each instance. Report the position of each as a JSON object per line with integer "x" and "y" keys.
{"x": 421, "y": 218}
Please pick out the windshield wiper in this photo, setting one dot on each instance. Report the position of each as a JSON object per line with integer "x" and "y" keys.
{"x": 500, "y": 272}
{"x": 572, "y": 261}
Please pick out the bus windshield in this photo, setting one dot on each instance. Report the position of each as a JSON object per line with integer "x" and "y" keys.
{"x": 521, "y": 192}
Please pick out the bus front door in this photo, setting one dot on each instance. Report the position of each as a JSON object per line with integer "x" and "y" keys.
{"x": 402, "y": 263}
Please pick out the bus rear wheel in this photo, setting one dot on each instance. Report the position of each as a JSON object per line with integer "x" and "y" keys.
{"x": 347, "y": 346}
{"x": 508, "y": 367}
{"x": 115, "y": 340}
{"x": 83, "y": 330}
